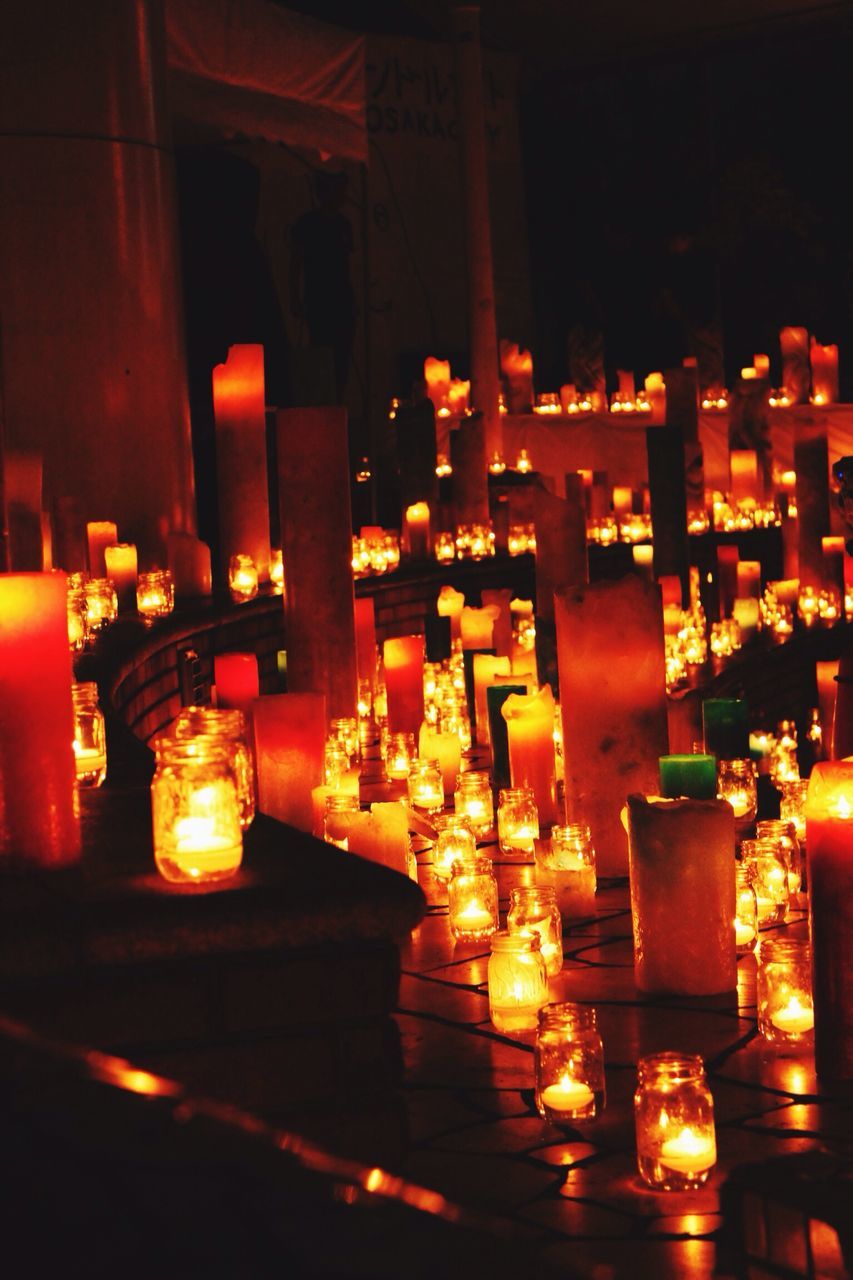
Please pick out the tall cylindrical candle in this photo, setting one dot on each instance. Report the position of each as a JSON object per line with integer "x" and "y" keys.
{"x": 532, "y": 762}
{"x": 100, "y": 534}
{"x": 365, "y": 639}
{"x": 829, "y": 839}
{"x": 121, "y": 566}
{"x": 403, "y": 658}
{"x": 290, "y": 741}
{"x": 725, "y": 728}
{"x": 241, "y": 453}
{"x": 477, "y": 626}
{"x": 496, "y": 696}
{"x": 38, "y": 822}
{"x": 236, "y": 678}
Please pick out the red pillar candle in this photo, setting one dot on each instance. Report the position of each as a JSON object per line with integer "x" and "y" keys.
{"x": 829, "y": 839}
{"x": 794, "y": 344}
{"x": 100, "y": 534}
{"x": 241, "y": 457}
{"x": 727, "y": 563}
{"x": 38, "y": 822}
{"x": 290, "y": 741}
{"x": 365, "y": 639}
{"x": 235, "y": 676}
{"x": 532, "y": 759}
{"x": 748, "y": 579}
{"x": 403, "y": 658}
{"x": 824, "y": 361}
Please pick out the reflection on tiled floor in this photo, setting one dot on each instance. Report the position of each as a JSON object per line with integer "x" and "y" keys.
{"x": 475, "y": 1134}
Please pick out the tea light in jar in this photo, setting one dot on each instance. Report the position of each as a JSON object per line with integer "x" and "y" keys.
{"x": 795, "y": 1018}
{"x": 567, "y": 1095}
{"x": 277, "y": 571}
{"x": 155, "y": 594}
{"x": 242, "y": 578}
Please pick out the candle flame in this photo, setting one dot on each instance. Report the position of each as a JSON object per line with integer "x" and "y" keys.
{"x": 841, "y": 808}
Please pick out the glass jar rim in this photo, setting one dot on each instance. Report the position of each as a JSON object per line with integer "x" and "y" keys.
{"x": 472, "y": 864}
{"x": 510, "y": 794}
{"x": 211, "y": 721}
{"x": 523, "y": 891}
{"x": 519, "y": 942}
{"x": 567, "y": 1011}
{"x": 671, "y": 1065}
{"x": 570, "y": 830}
{"x": 784, "y": 949}
{"x": 202, "y": 748}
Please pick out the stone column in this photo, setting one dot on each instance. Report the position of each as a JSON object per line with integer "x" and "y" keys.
{"x": 483, "y": 333}
{"x": 316, "y": 534}
{"x": 93, "y": 346}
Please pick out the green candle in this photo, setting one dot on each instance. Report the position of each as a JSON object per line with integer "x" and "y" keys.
{"x": 725, "y": 728}
{"x": 693, "y": 776}
{"x": 496, "y": 696}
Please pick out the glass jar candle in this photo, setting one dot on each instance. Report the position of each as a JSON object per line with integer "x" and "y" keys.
{"x": 746, "y": 912}
{"x": 425, "y": 786}
{"x": 473, "y": 800}
{"x": 784, "y": 836}
{"x": 472, "y": 898}
{"x": 195, "y": 810}
{"x": 338, "y": 810}
{"x": 518, "y": 821}
{"x": 784, "y": 992}
{"x": 101, "y": 603}
{"x": 78, "y": 622}
{"x": 769, "y": 876}
{"x": 277, "y": 571}
{"x": 567, "y": 864}
{"x": 792, "y": 806}
{"x": 229, "y": 725}
{"x": 518, "y": 985}
{"x": 335, "y": 763}
{"x": 736, "y": 782}
{"x": 345, "y": 729}
{"x": 242, "y": 578}
{"x": 155, "y": 594}
{"x": 454, "y": 842}
{"x": 90, "y": 743}
{"x": 569, "y": 1063}
{"x": 674, "y": 1117}
{"x": 399, "y": 753}
{"x": 533, "y": 909}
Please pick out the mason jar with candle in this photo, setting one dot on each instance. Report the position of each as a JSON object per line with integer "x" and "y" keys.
{"x": 472, "y": 898}
{"x": 399, "y": 752}
{"x": 473, "y": 800}
{"x": 569, "y": 1064}
{"x": 345, "y": 729}
{"x": 792, "y": 806}
{"x": 277, "y": 571}
{"x": 783, "y": 833}
{"x": 518, "y": 984}
{"x": 78, "y": 618}
{"x": 195, "y": 810}
{"x": 533, "y": 909}
{"x": 567, "y": 864}
{"x": 769, "y": 876}
{"x": 335, "y": 763}
{"x": 518, "y": 821}
{"x": 90, "y": 743}
{"x": 229, "y": 725}
{"x": 425, "y": 786}
{"x": 338, "y": 810}
{"x": 242, "y": 578}
{"x": 155, "y": 594}
{"x": 784, "y": 992}
{"x": 746, "y": 911}
{"x": 454, "y": 842}
{"x": 674, "y": 1118}
{"x": 101, "y": 604}
{"x": 736, "y": 783}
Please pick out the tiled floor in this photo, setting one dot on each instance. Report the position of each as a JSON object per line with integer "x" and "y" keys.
{"x": 475, "y": 1134}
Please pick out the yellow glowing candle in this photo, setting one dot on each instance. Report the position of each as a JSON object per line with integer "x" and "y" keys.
{"x": 477, "y": 626}
{"x": 417, "y": 530}
{"x": 795, "y": 1018}
{"x": 449, "y": 605}
{"x": 689, "y": 1152}
{"x": 744, "y": 474}
{"x": 121, "y": 567}
{"x": 567, "y": 1095}
{"x": 532, "y": 762}
{"x": 744, "y": 933}
{"x": 100, "y": 534}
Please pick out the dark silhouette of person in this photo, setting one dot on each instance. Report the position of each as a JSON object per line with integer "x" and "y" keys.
{"x": 321, "y": 292}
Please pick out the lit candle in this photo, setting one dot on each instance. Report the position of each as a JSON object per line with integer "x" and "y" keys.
{"x": 475, "y": 918}
{"x": 403, "y": 658}
{"x": 446, "y": 748}
{"x": 449, "y": 605}
{"x": 794, "y": 1019}
{"x": 532, "y": 762}
{"x": 485, "y": 668}
{"x": 242, "y": 577}
{"x": 437, "y": 379}
{"x": 121, "y": 568}
{"x": 744, "y": 933}
{"x": 476, "y": 627}
{"x": 794, "y": 343}
{"x": 100, "y": 534}
{"x": 416, "y": 522}
{"x": 744, "y": 474}
{"x": 824, "y": 361}
{"x": 567, "y": 1095}
{"x": 689, "y": 1152}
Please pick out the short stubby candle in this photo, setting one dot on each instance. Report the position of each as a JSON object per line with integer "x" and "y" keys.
{"x": 737, "y": 783}
{"x": 688, "y": 775}
{"x": 784, "y": 992}
{"x": 195, "y": 811}
{"x": 569, "y": 1064}
{"x": 399, "y": 752}
{"x": 746, "y": 911}
{"x": 829, "y": 841}
{"x": 769, "y": 876}
{"x": 90, "y": 742}
{"x": 674, "y": 1118}
{"x": 425, "y": 787}
{"x": 155, "y": 594}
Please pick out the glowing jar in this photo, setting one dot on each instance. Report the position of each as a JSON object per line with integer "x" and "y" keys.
{"x": 90, "y": 743}
{"x": 425, "y": 786}
{"x": 101, "y": 604}
{"x": 399, "y": 754}
{"x": 518, "y": 821}
{"x": 229, "y": 726}
{"x": 829, "y": 840}
{"x": 442, "y": 744}
{"x": 242, "y": 577}
{"x": 473, "y": 800}
{"x": 155, "y": 594}
{"x": 769, "y": 876}
{"x": 569, "y": 1063}
{"x": 518, "y": 985}
{"x": 784, "y": 835}
{"x": 532, "y": 759}
{"x": 746, "y": 911}
{"x": 737, "y": 784}
{"x": 792, "y": 806}
{"x": 533, "y": 909}
{"x": 784, "y": 992}
{"x": 472, "y": 898}
{"x": 674, "y": 1117}
{"x": 338, "y": 809}
{"x": 567, "y": 864}
{"x": 453, "y": 843}
{"x": 195, "y": 811}
{"x": 277, "y": 571}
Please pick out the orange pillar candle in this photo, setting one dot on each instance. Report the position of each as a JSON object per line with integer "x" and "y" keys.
{"x": 477, "y": 626}
{"x": 794, "y": 344}
{"x": 682, "y": 869}
{"x": 532, "y": 760}
{"x": 38, "y": 821}
{"x": 761, "y": 364}
{"x": 623, "y": 500}
{"x": 403, "y": 659}
{"x": 829, "y": 839}
{"x": 100, "y": 534}
{"x": 290, "y": 741}
{"x": 833, "y": 559}
{"x": 744, "y": 475}
{"x": 748, "y": 579}
{"x": 365, "y": 639}
{"x": 241, "y": 457}
{"x": 610, "y": 654}
{"x": 824, "y": 361}
{"x": 235, "y": 677}
{"x": 382, "y": 836}
{"x": 450, "y": 604}
{"x": 188, "y": 559}
{"x": 121, "y": 565}
{"x": 417, "y": 529}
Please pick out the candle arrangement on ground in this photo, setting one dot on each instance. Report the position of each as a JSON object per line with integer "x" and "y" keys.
{"x": 768, "y": 872}
{"x": 533, "y": 909}
{"x": 518, "y": 821}
{"x": 242, "y": 577}
{"x": 229, "y": 727}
